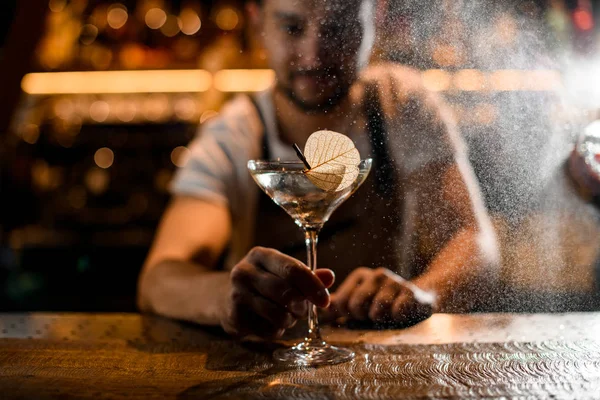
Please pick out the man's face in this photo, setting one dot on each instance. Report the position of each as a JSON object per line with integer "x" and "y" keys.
{"x": 316, "y": 47}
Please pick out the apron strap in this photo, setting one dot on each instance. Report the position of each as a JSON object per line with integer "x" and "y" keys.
{"x": 376, "y": 129}
{"x": 266, "y": 153}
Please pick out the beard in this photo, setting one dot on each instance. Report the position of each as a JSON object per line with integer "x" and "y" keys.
{"x": 339, "y": 93}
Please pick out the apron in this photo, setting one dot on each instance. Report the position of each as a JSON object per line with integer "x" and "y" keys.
{"x": 362, "y": 231}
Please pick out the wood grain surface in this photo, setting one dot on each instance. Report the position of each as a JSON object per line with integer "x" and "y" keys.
{"x": 106, "y": 356}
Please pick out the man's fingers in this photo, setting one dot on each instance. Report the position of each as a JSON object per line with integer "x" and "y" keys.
{"x": 273, "y": 313}
{"x": 381, "y": 306}
{"x": 269, "y": 311}
{"x": 410, "y": 311}
{"x": 326, "y": 276}
{"x": 362, "y": 297}
{"x": 265, "y": 329}
{"x": 276, "y": 289}
{"x": 339, "y": 299}
{"x": 242, "y": 321}
{"x": 299, "y": 309}
{"x": 327, "y": 315}
{"x": 293, "y": 272}
{"x": 583, "y": 173}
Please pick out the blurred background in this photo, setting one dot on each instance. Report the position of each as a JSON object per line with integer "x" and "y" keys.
{"x": 100, "y": 98}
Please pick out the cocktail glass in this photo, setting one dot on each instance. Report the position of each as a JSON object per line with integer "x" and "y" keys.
{"x": 287, "y": 184}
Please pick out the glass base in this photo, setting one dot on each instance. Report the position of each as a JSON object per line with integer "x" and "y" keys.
{"x": 311, "y": 354}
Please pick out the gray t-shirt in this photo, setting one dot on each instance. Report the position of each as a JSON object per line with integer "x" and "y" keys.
{"x": 370, "y": 228}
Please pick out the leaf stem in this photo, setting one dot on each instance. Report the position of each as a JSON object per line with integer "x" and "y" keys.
{"x": 301, "y": 156}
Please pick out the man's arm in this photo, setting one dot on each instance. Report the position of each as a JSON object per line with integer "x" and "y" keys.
{"x": 456, "y": 246}
{"x": 454, "y": 228}
{"x": 264, "y": 294}
{"x": 178, "y": 279}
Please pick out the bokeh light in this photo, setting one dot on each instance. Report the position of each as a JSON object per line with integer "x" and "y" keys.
{"x": 104, "y": 157}
{"x": 186, "y": 109}
{"x": 171, "y": 26}
{"x": 189, "y": 21}
{"x": 469, "y": 80}
{"x": 117, "y": 16}
{"x": 126, "y": 110}
{"x": 97, "y": 180}
{"x": 57, "y": 5}
{"x": 101, "y": 57}
{"x": 180, "y": 156}
{"x": 436, "y": 80}
{"x": 155, "y": 18}
{"x": 227, "y": 18}
{"x": 99, "y": 111}
{"x": 30, "y": 133}
{"x": 506, "y": 80}
{"x": 583, "y": 19}
{"x": 88, "y": 34}
{"x": 44, "y": 176}
{"x": 64, "y": 108}
{"x": 155, "y": 107}
{"x": 132, "y": 56}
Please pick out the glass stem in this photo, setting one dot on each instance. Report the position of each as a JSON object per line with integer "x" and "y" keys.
{"x": 314, "y": 334}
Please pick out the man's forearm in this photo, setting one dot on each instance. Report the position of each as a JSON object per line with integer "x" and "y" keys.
{"x": 462, "y": 273}
{"x": 184, "y": 291}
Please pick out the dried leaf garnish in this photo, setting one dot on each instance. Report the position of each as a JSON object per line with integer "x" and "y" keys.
{"x": 333, "y": 159}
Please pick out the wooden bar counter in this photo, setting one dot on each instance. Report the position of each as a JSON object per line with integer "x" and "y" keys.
{"x": 106, "y": 356}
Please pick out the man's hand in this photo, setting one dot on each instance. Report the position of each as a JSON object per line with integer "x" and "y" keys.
{"x": 583, "y": 174}
{"x": 268, "y": 292}
{"x": 380, "y": 296}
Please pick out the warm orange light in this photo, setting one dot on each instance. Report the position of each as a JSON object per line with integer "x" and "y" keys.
{"x": 436, "y": 80}
{"x": 30, "y": 133}
{"x": 64, "y": 108}
{"x": 189, "y": 21}
{"x": 104, "y": 157}
{"x": 155, "y": 18}
{"x": 446, "y": 55}
{"x": 180, "y": 156}
{"x": 469, "y": 80}
{"x": 155, "y": 107}
{"x": 541, "y": 80}
{"x": 171, "y": 26}
{"x": 101, "y": 57}
{"x": 227, "y": 18}
{"x": 506, "y": 80}
{"x": 117, "y": 16}
{"x": 57, "y": 5}
{"x": 132, "y": 56}
{"x": 251, "y": 80}
{"x": 243, "y": 80}
{"x": 165, "y": 81}
{"x": 186, "y": 109}
{"x": 126, "y": 110}
{"x": 97, "y": 180}
{"x": 88, "y": 34}
{"x": 44, "y": 176}
{"x": 99, "y": 111}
